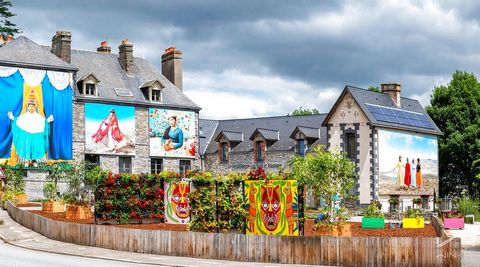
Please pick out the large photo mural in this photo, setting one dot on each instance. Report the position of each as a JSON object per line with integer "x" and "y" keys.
{"x": 408, "y": 163}
{"x": 109, "y": 129}
{"x": 35, "y": 116}
{"x": 172, "y": 133}
{"x": 272, "y": 207}
{"x": 177, "y": 206}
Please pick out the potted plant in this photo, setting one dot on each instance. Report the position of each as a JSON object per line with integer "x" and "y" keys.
{"x": 373, "y": 217}
{"x": 453, "y": 220}
{"x": 413, "y": 219}
{"x": 51, "y": 202}
{"x": 417, "y": 201}
{"x": 344, "y": 228}
{"x": 76, "y": 197}
{"x": 393, "y": 201}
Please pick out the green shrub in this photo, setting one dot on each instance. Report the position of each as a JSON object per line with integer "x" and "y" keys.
{"x": 372, "y": 211}
{"x": 467, "y": 206}
{"x": 413, "y": 213}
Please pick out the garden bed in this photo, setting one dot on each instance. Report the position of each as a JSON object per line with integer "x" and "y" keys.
{"x": 357, "y": 231}
{"x": 60, "y": 216}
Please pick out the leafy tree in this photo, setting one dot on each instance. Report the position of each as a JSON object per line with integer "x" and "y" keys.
{"x": 455, "y": 108}
{"x": 301, "y": 112}
{"x": 325, "y": 173}
{"x": 6, "y": 26}
{"x": 374, "y": 89}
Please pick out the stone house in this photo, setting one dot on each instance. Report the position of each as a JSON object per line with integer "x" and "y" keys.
{"x": 242, "y": 144}
{"x": 378, "y": 131}
{"x": 102, "y": 78}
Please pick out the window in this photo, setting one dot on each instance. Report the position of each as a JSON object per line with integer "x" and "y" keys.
{"x": 90, "y": 89}
{"x": 259, "y": 147}
{"x": 185, "y": 165}
{"x": 156, "y": 166}
{"x": 224, "y": 151}
{"x": 156, "y": 95}
{"x": 301, "y": 147}
{"x": 125, "y": 165}
{"x": 92, "y": 160}
{"x": 351, "y": 146}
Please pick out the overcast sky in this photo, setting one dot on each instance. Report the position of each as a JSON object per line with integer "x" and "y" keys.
{"x": 262, "y": 58}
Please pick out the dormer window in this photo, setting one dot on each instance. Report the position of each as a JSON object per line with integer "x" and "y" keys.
{"x": 259, "y": 151}
{"x": 301, "y": 147}
{"x": 90, "y": 89}
{"x": 224, "y": 151}
{"x": 152, "y": 90}
{"x": 156, "y": 95}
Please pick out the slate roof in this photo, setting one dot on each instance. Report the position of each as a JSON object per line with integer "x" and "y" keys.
{"x": 364, "y": 96}
{"x": 268, "y": 134}
{"x": 107, "y": 69}
{"x": 23, "y": 52}
{"x": 231, "y": 136}
{"x": 309, "y": 132}
{"x": 284, "y": 124}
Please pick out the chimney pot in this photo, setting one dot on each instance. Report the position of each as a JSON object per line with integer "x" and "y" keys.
{"x": 61, "y": 45}
{"x": 125, "y": 56}
{"x": 172, "y": 66}
{"x": 104, "y": 48}
{"x": 393, "y": 90}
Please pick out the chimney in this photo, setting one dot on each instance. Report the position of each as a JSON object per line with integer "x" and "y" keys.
{"x": 393, "y": 90}
{"x": 125, "y": 56}
{"x": 61, "y": 45}
{"x": 104, "y": 48}
{"x": 172, "y": 66}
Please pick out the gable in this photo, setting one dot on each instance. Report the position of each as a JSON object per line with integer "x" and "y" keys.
{"x": 347, "y": 110}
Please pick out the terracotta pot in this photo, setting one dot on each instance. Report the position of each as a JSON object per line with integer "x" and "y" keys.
{"x": 345, "y": 229}
{"x": 21, "y": 199}
{"x": 75, "y": 212}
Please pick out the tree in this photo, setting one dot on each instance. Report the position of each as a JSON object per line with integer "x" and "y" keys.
{"x": 455, "y": 108}
{"x": 301, "y": 112}
{"x": 374, "y": 89}
{"x": 6, "y": 26}
{"x": 325, "y": 173}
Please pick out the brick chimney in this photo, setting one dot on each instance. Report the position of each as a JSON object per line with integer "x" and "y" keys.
{"x": 393, "y": 90}
{"x": 104, "y": 48}
{"x": 172, "y": 66}
{"x": 125, "y": 56}
{"x": 61, "y": 45}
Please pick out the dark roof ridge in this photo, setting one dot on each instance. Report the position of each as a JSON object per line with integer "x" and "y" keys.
{"x": 269, "y": 117}
{"x": 208, "y": 120}
{"x": 308, "y": 127}
{"x": 359, "y": 88}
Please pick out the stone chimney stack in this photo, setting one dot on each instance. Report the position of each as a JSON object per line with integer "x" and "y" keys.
{"x": 104, "y": 48}
{"x": 172, "y": 66}
{"x": 61, "y": 45}
{"x": 393, "y": 90}
{"x": 125, "y": 56}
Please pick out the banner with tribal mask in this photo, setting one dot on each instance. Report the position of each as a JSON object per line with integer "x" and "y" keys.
{"x": 272, "y": 207}
{"x": 177, "y": 206}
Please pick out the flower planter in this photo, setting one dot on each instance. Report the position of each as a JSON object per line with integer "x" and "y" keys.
{"x": 53, "y": 207}
{"x": 454, "y": 223}
{"x": 75, "y": 212}
{"x": 345, "y": 230}
{"x": 328, "y": 230}
{"x": 413, "y": 223}
{"x": 373, "y": 223}
{"x": 21, "y": 199}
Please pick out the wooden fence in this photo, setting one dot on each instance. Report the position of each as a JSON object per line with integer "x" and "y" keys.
{"x": 345, "y": 251}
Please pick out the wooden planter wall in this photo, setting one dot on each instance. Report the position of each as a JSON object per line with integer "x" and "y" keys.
{"x": 345, "y": 251}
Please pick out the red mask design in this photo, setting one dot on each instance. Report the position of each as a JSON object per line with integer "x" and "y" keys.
{"x": 179, "y": 200}
{"x": 270, "y": 206}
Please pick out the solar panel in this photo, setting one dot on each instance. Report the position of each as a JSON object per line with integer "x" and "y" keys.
{"x": 398, "y": 116}
{"x": 123, "y": 92}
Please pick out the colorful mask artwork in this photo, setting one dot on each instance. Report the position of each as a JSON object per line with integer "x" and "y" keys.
{"x": 172, "y": 133}
{"x": 36, "y": 116}
{"x": 109, "y": 129}
{"x": 272, "y": 207}
{"x": 177, "y": 206}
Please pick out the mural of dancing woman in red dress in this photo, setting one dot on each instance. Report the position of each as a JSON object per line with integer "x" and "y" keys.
{"x": 109, "y": 131}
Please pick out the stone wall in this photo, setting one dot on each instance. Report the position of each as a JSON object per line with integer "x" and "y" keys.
{"x": 34, "y": 184}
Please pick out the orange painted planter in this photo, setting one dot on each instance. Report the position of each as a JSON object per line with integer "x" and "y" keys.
{"x": 327, "y": 230}
{"x": 345, "y": 230}
{"x": 21, "y": 199}
{"x": 75, "y": 212}
{"x": 53, "y": 207}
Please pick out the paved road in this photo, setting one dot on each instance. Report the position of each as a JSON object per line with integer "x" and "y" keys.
{"x": 12, "y": 256}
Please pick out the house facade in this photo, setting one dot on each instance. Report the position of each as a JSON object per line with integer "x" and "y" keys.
{"x": 380, "y": 132}
{"x": 124, "y": 115}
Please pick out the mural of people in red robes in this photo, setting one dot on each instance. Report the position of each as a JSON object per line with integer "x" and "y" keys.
{"x": 109, "y": 131}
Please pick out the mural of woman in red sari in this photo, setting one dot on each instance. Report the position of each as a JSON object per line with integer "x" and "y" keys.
{"x": 109, "y": 131}
{"x": 408, "y": 175}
